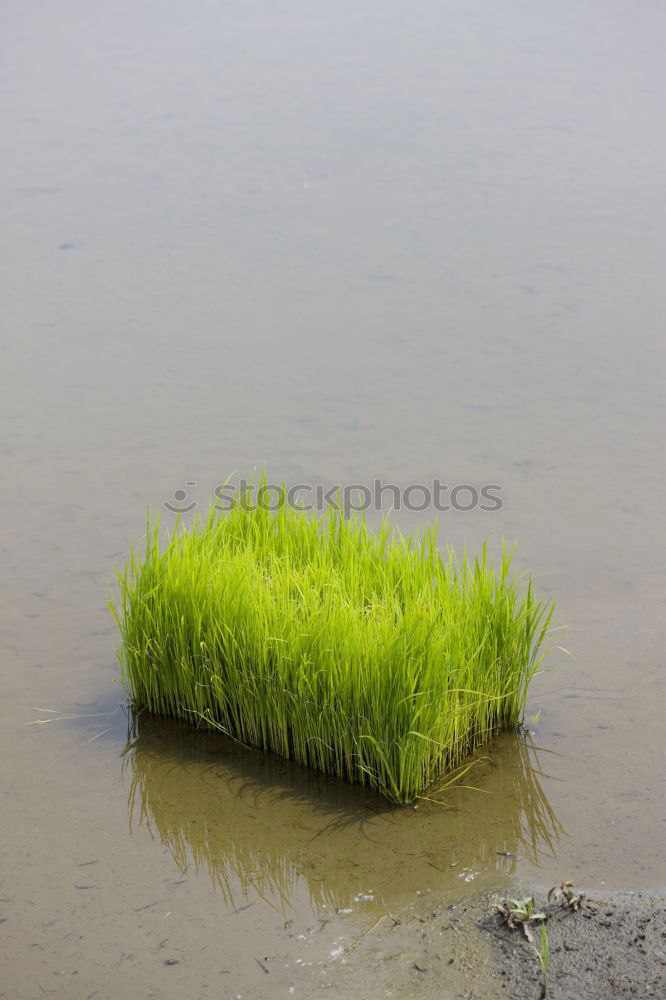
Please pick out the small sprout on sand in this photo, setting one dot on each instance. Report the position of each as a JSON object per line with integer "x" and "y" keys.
{"x": 523, "y": 913}
{"x": 520, "y": 913}
{"x": 543, "y": 956}
{"x": 563, "y": 895}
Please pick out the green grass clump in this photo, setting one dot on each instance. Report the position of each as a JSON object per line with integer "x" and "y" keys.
{"x": 366, "y": 655}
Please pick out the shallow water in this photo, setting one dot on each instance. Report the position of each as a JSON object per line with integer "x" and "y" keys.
{"x": 346, "y": 243}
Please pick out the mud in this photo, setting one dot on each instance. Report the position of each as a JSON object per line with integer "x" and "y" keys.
{"x": 614, "y": 947}
{"x": 611, "y": 948}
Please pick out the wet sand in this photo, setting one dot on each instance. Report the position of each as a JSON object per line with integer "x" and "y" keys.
{"x": 613, "y": 947}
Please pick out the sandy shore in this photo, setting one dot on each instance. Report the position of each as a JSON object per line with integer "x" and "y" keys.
{"x": 613, "y": 947}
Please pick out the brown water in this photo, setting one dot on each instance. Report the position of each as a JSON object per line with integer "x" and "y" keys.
{"x": 345, "y": 241}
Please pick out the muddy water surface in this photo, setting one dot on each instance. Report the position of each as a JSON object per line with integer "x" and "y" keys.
{"x": 346, "y": 242}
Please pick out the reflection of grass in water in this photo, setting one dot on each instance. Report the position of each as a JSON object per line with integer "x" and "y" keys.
{"x": 211, "y": 803}
{"x": 531, "y": 823}
{"x": 269, "y": 874}
{"x": 253, "y": 822}
{"x": 538, "y": 824}
{"x": 372, "y": 657}
{"x": 508, "y": 813}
